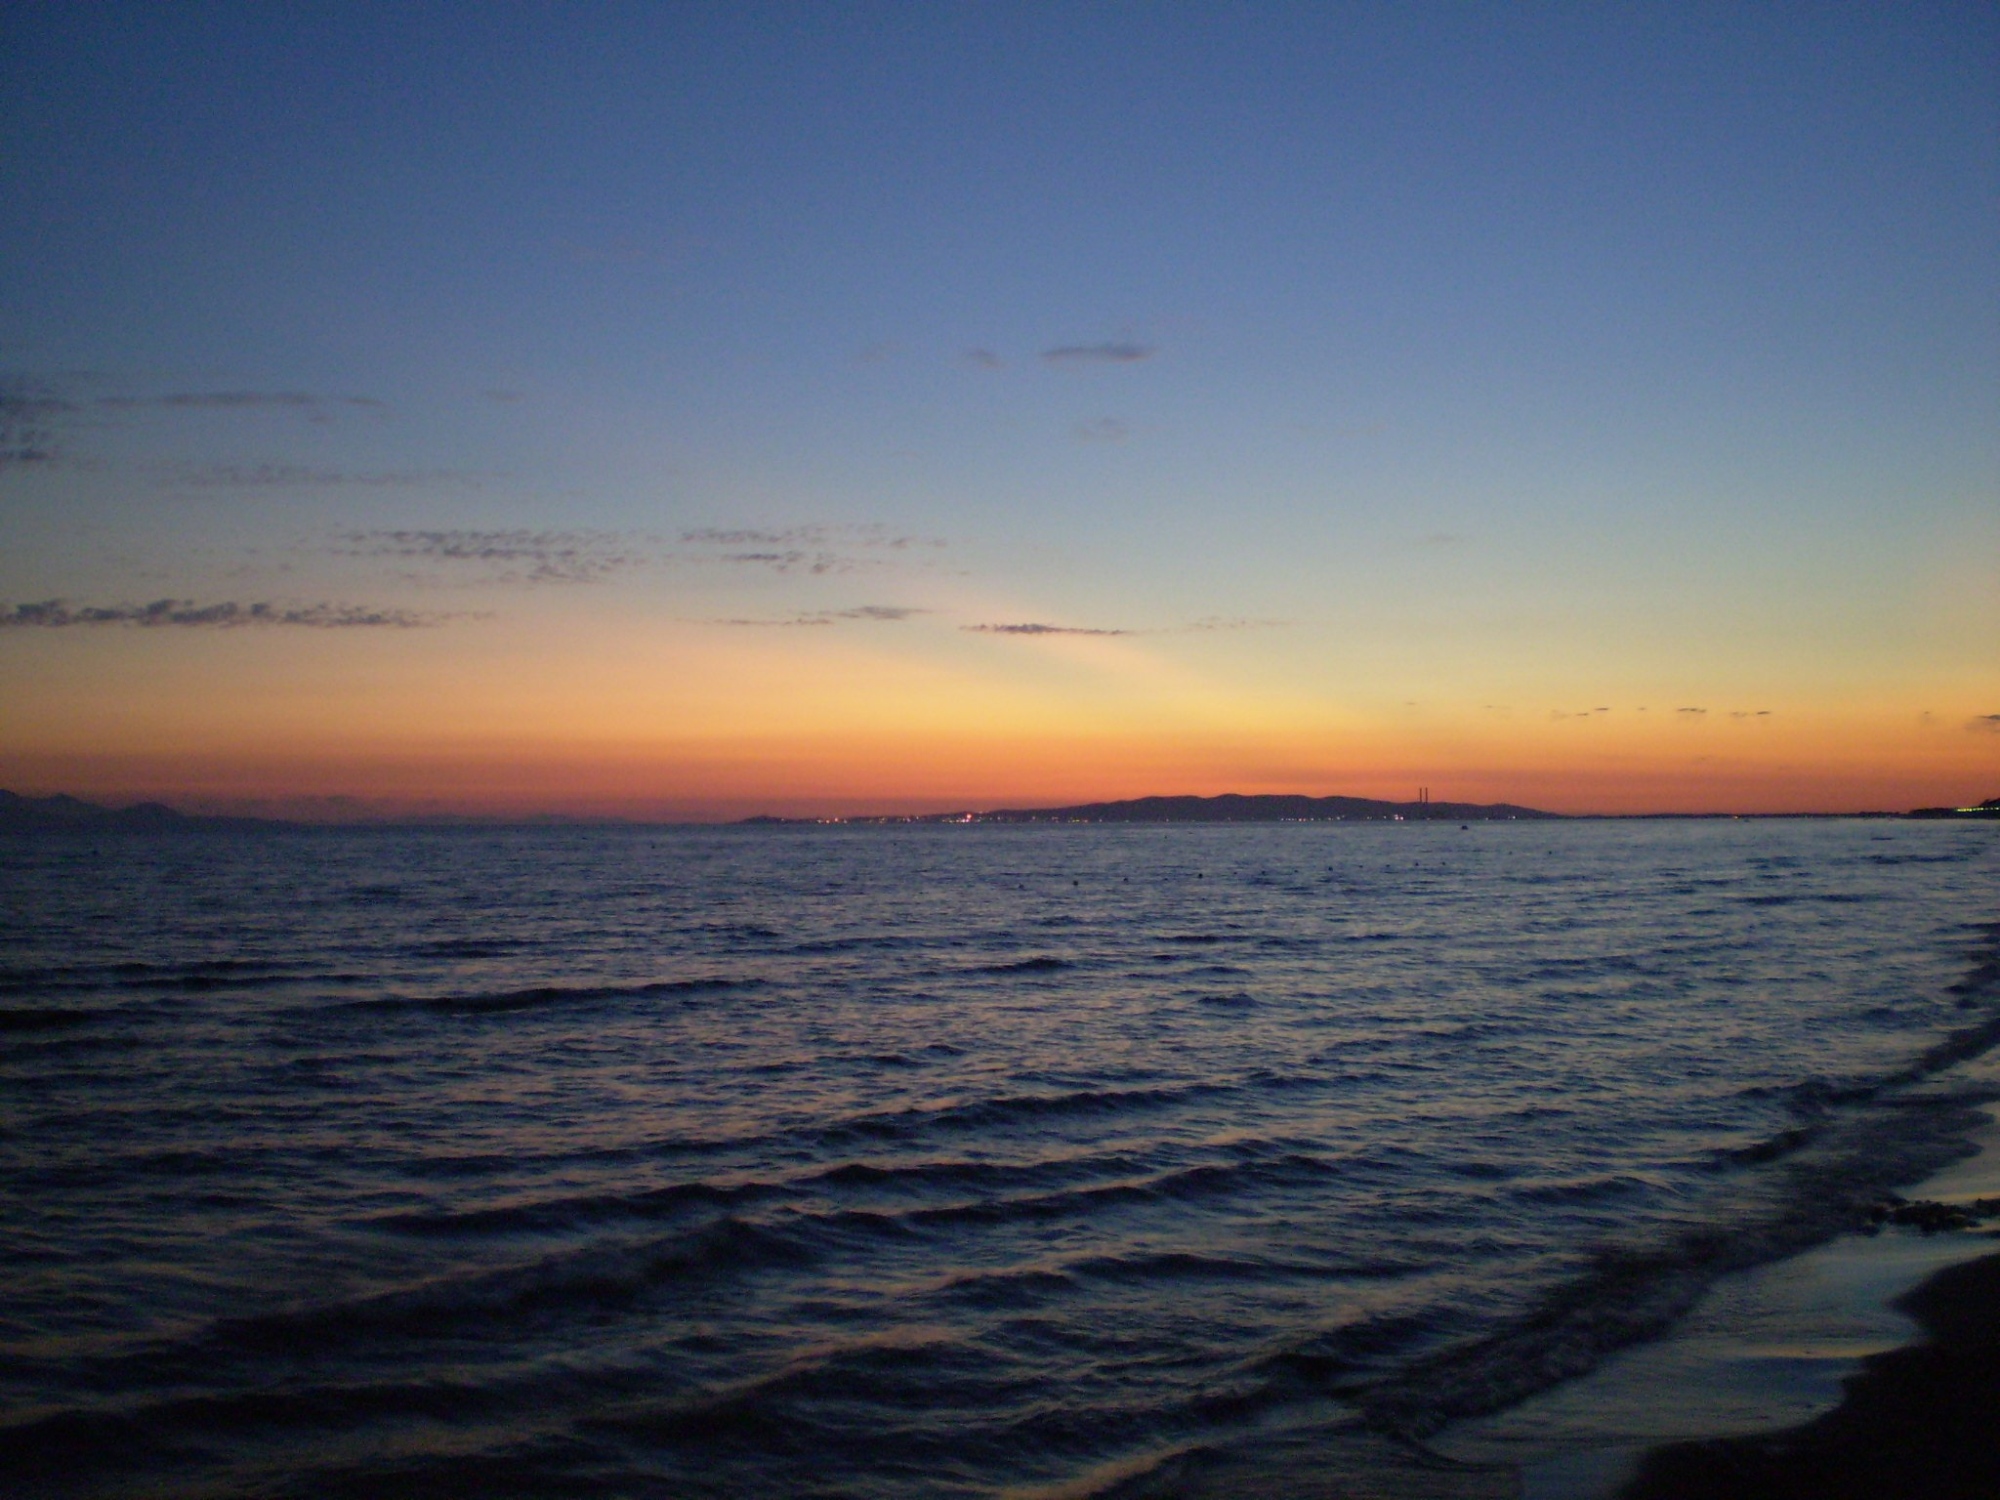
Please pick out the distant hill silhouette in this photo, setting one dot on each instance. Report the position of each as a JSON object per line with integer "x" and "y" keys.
{"x": 1232, "y": 807}
{"x": 18, "y": 813}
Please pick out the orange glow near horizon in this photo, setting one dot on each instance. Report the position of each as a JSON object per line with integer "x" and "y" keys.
{"x": 1723, "y": 768}
{"x": 611, "y": 715}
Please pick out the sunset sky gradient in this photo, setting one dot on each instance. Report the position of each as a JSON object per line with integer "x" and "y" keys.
{"x": 696, "y": 410}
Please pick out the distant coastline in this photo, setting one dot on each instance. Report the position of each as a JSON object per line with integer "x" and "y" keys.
{"x": 1990, "y": 808}
{"x": 20, "y": 813}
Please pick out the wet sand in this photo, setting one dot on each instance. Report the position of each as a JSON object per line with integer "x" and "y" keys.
{"x": 1917, "y": 1421}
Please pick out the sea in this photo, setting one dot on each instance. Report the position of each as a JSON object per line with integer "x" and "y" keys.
{"x": 927, "y": 1160}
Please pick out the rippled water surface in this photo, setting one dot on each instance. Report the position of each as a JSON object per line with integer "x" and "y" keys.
{"x": 918, "y": 1161}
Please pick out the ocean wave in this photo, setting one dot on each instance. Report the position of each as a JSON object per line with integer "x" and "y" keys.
{"x": 1183, "y": 1184}
{"x": 1581, "y": 1190}
{"x": 45, "y": 1018}
{"x": 1189, "y": 1265}
{"x": 1337, "y": 1359}
{"x": 1983, "y": 978}
{"x": 201, "y": 974}
{"x": 479, "y": 947}
{"x": 537, "y": 996}
{"x": 597, "y": 1276}
{"x": 576, "y": 1211}
{"x": 1009, "y": 1287}
{"x": 966, "y": 1174}
{"x": 785, "y": 1409}
{"x": 1038, "y": 965}
{"x": 1006, "y": 1109}
{"x": 63, "y": 1452}
{"x": 875, "y": 943}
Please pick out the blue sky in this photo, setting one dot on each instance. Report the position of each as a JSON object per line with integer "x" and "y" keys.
{"x": 1534, "y": 357}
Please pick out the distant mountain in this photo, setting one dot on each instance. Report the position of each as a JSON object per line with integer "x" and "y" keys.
{"x": 18, "y": 813}
{"x": 1232, "y": 807}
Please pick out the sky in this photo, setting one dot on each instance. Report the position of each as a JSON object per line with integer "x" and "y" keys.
{"x": 685, "y": 411}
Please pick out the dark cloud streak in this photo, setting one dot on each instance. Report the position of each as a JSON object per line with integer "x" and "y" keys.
{"x": 27, "y": 425}
{"x": 794, "y": 561}
{"x": 1036, "y": 627}
{"x": 1115, "y": 353}
{"x": 522, "y": 556}
{"x": 299, "y": 401}
{"x": 35, "y": 416}
{"x": 289, "y": 476}
{"x": 805, "y": 537}
{"x": 877, "y": 613}
{"x": 53, "y": 614}
{"x": 818, "y": 550}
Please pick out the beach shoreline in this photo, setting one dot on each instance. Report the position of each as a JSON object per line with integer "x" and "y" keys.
{"x": 1784, "y": 1372}
{"x": 1919, "y": 1420}
{"x": 1766, "y": 1363}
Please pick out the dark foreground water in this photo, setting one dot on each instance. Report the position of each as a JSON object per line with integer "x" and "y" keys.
{"x": 925, "y": 1161}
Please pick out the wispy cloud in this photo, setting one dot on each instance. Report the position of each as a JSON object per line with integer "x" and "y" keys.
{"x": 794, "y": 561}
{"x": 1750, "y": 713}
{"x": 296, "y": 476}
{"x": 1114, "y": 353}
{"x": 1691, "y": 712}
{"x": 1103, "y": 430}
{"x": 19, "y": 402}
{"x": 876, "y": 613}
{"x": 807, "y": 536}
{"x": 59, "y": 613}
{"x": 1036, "y": 627}
{"x": 1984, "y": 724}
{"x": 28, "y": 421}
{"x": 985, "y": 359}
{"x": 1206, "y": 625}
{"x": 887, "y": 612}
{"x": 38, "y": 413}
{"x": 305, "y": 403}
{"x": 1233, "y": 622}
{"x": 804, "y": 549}
{"x": 517, "y": 556}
